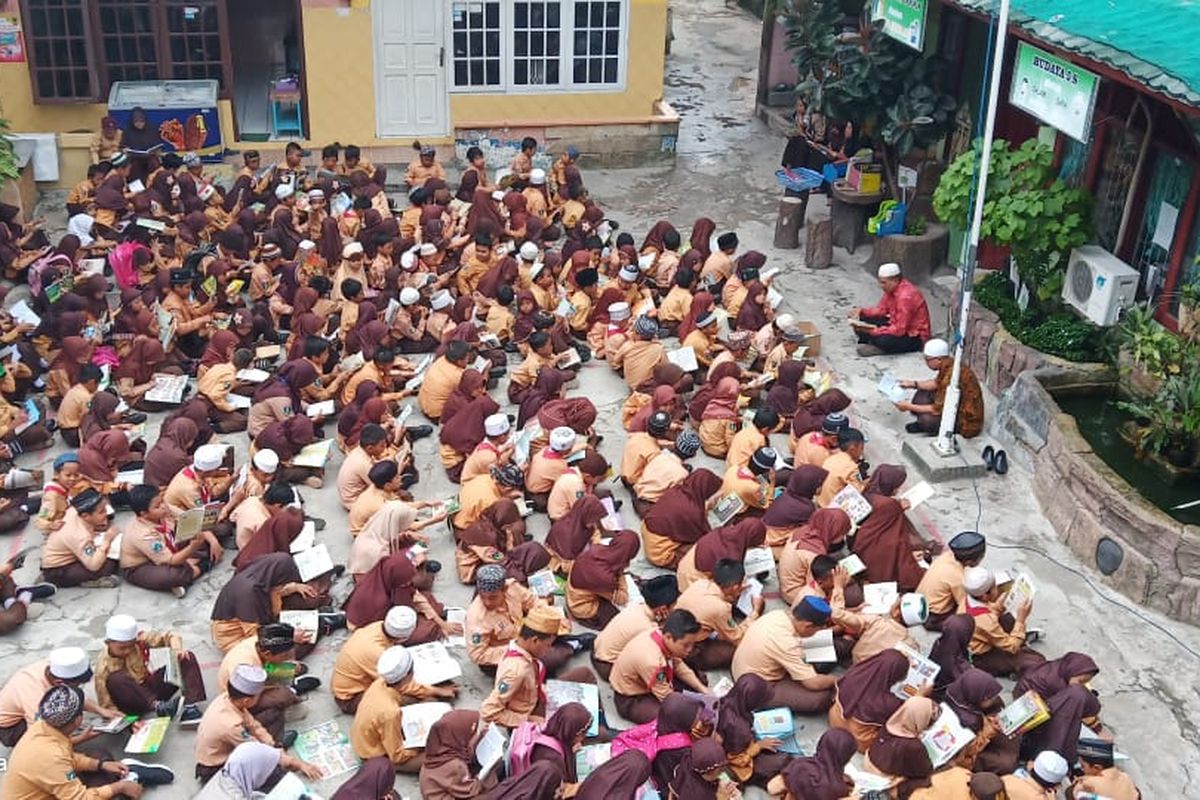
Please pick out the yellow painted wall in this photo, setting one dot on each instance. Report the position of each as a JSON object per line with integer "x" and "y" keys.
{"x": 643, "y": 84}
{"x": 341, "y": 89}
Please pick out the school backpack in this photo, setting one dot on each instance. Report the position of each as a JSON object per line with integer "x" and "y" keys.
{"x": 520, "y": 747}
{"x": 645, "y": 739}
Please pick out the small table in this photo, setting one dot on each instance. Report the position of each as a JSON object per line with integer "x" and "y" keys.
{"x": 286, "y": 101}
{"x": 849, "y": 211}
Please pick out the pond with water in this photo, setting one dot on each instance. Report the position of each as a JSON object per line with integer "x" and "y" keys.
{"x": 1100, "y": 423}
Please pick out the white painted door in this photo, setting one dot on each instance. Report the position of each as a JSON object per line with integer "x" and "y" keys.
{"x": 410, "y": 72}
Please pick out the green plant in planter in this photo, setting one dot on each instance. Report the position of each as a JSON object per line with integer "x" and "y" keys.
{"x": 916, "y": 226}
{"x": 1151, "y": 346}
{"x": 1027, "y": 207}
{"x": 1170, "y": 421}
{"x": 8, "y": 159}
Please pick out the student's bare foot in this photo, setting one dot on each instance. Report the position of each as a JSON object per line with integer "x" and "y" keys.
{"x": 868, "y": 350}
{"x": 314, "y": 482}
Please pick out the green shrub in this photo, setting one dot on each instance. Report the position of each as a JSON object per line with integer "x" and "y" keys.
{"x": 1058, "y": 333}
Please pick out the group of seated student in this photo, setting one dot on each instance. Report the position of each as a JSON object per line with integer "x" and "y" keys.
{"x": 302, "y": 305}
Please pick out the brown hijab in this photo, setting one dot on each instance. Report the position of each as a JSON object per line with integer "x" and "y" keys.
{"x": 825, "y": 528}
{"x": 729, "y": 542}
{"x": 172, "y": 451}
{"x": 865, "y": 691}
{"x": 102, "y": 455}
{"x": 601, "y": 567}
{"x": 273, "y": 536}
{"x": 139, "y": 365}
{"x": 680, "y": 514}
{"x": 796, "y": 505}
{"x": 570, "y": 535}
{"x": 389, "y": 583}
{"x": 618, "y": 779}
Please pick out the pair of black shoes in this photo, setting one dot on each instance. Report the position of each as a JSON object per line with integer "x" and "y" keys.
{"x": 995, "y": 460}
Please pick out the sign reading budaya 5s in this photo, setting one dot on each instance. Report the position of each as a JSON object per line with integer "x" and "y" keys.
{"x": 1054, "y": 90}
{"x": 903, "y": 20}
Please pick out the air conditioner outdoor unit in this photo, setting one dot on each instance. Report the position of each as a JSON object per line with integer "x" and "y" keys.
{"x": 1099, "y": 285}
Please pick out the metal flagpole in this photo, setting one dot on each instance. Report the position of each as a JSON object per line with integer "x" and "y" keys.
{"x": 945, "y": 442}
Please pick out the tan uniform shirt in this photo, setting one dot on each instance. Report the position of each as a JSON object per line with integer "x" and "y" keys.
{"x": 794, "y": 571}
{"x": 675, "y": 305}
{"x": 742, "y": 448}
{"x": 517, "y": 690}
{"x": 74, "y": 406}
{"x": 488, "y": 632}
{"x": 811, "y": 449}
{"x": 640, "y": 447}
{"x": 440, "y": 382}
{"x": 222, "y": 728}
{"x": 244, "y": 652}
{"x": 717, "y": 267}
{"x": 354, "y": 670}
{"x": 545, "y": 468}
{"x": 643, "y": 668}
{"x": 612, "y": 639}
{"x": 21, "y": 694}
{"x": 365, "y": 506}
{"x": 183, "y": 492}
{"x": 143, "y": 543}
{"x": 754, "y": 493}
{"x": 942, "y": 584}
{"x": 947, "y": 784}
{"x": 638, "y": 358}
{"x": 843, "y": 472}
{"x": 73, "y": 542}
{"x": 989, "y": 634}
{"x": 480, "y": 462}
{"x": 704, "y": 599}
{"x": 352, "y": 476}
{"x": 376, "y": 728}
{"x": 664, "y": 471}
{"x": 567, "y": 491}
{"x": 45, "y": 766}
{"x": 1023, "y": 788}
{"x": 874, "y": 633}
{"x": 476, "y": 496}
{"x": 772, "y": 650}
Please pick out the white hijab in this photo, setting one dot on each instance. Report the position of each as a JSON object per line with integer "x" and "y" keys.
{"x": 81, "y": 226}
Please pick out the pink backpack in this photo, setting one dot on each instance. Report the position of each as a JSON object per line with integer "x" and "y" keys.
{"x": 645, "y": 739}
{"x": 520, "y": 746}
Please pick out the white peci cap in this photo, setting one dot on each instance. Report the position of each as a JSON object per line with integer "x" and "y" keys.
{"x": 306, "y": 244}
{"x": 562, "y": 439}
{"x": 284, "y": 190}
{"x": 248, "y": 679}
{"x": 978, "y": 581}
{"x": 936, "y": 348}
{"x": 69, "y": 664}
{"x": 408, "y": 260}
{"x": 441, "y": 299}
{"x": 400, "y": 622}
{"x": 1051, "y": 767}
{"x": 496, "y": 425}
{"x": 889, "y": 270}
{"x": 427, "y": 249}
{"x": 394, "y": 664}
{"x": 537, "y": 177}
{"x": 121, "y": 628}
{"x": 409, "y": 296}
{"x": 208, "y": 456}
{"x": 352, "y": 249}
{"x": 619, "y": 311}
{"x": 266, "y": 460}
{"x": 529, "y": 251}
{"x": 629, "y": 272}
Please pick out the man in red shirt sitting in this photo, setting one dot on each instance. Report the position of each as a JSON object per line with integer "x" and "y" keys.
{"x": 898, "y": 324}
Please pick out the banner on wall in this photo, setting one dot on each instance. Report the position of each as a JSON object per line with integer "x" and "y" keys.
{"x": 903, "y": 20}
{"x": 12, "y": 44}
{"x": 1054, "y": 90}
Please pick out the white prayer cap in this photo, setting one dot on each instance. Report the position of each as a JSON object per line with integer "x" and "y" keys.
{"x": 529, "y": 251}
{"x": 284, "y": 190}
{"x": 498, "y": 195}
{"x": 618, "y": 311}
{"x": 248, "y": 679}
{"x": 562, "y": 439}
{"x": 629, "y": 272}
{"x": 206, "y": 191}
{"x": 120, "y": 628}
{"x": 208, "y": 456}
{"x": 408, "y": 260}
{"x": 978, "y": 581}
{"x": 496, "y": 425}
{"x": 354, "y": 248}
{"x": 395, "y": 663}
{"x": 1050, "y": 767}
{"x": 400, "y": 622}
{"x": 70, "y": 664}
{"x": 889, "y": 270}
{"x": 936, "y": 348}
{"x": 785, "y": 322}
{"x": 441, "y": 299}
{"x": 306, "y": 244}
{"x": 537, "y": 177}
{"x": 914, "y": 609}
{"x": 266, "y": 460}
{"x": 316, "y": 194}
{"x": 427, "y": 249}
{"x": 409, "y": 296}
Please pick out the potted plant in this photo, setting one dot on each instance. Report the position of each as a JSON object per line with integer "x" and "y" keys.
{"x": 1168, "y": 424}
{"x": 1189, "y": 309}
{"x": 1028, "y": 211}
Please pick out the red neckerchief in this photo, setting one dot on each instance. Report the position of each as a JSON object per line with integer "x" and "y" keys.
{"x": 168, "y": 534}
{"x": 54, "y": 488}
{"x": 656, "y": 637}
{"x": 514, "y": 651}
{"x": 486, "y": 445}
{"x": 190, "y": 474}
{"x": 548, "y": 453}
{"x": 980, "y": 610}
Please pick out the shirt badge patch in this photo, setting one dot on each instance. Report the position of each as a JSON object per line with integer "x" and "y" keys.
{"x": 661, "y": 677}
{"x": 88, "y": 549}
{"x": 476, "y": 638}
{"x": 503, "y": 687}
{"x": 157, "y": 547}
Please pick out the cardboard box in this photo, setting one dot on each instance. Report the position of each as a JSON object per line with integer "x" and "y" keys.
{"x": 813, "y": 342}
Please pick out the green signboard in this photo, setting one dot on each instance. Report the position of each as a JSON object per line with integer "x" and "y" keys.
{"x": 903, "y": 20}
{"x": 1054, "y": 90}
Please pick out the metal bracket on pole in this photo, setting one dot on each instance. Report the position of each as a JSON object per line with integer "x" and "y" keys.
{"x": 946, "y": 444}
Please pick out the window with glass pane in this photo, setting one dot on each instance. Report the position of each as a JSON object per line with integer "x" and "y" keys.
{"x": 56, "y": 34}
{"x": 129, "y": 44}
{"x": 194, "y": 38}
{"x": 477, "y": 42}
{"x": 537, "y": 45}
{"x": 597, "y": 54}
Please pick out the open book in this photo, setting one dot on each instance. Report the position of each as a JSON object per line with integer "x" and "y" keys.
{"x": 313, "y": 562}
{"x": 433, "y": 664}
{"x": 879, "y": 597}
{"x": 851, "y": 500}
{"x": 945, "y": 737}
{"x": 725, "y": 510}
{"x": 1022, "y": 589}
{"x": 921, "y": 673}
{"x": 417, "y": 719}
{"x": 1023, "y": 714}
{"x": 167, "y": 388}
{"x": 818, "y": 648}
{"x": 559, "y": 693}
{"x": 684, "y": 358}
{"x": 777, "y": 723}
{"x": 314, "y": 455}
